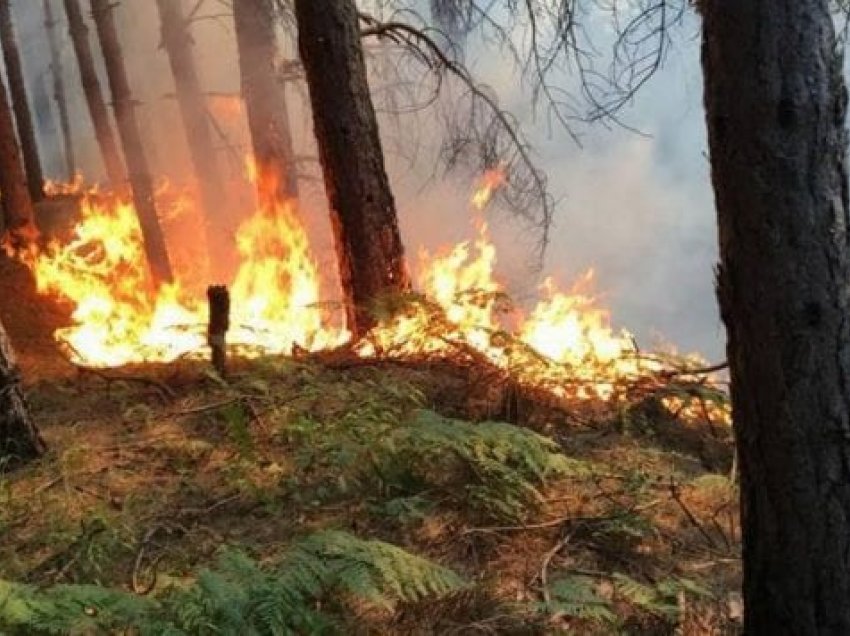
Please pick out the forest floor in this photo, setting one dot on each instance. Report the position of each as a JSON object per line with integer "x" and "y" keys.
{"x": 592, "y": 518}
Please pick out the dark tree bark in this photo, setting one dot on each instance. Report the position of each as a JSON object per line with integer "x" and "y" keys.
{"x": 58, "y": 74}
{"x": 19, "y": 437}
{"x": 94, "y": 95}
{"x": 20, "y": 102}
{"x": 177, "y": 40}
{"x": 368, "y": 241}
{"x": 18, "y": 215}
{"x": 134, "y": 151}
{"x": 775, "y": 104}
{"x": 264, "y": 93}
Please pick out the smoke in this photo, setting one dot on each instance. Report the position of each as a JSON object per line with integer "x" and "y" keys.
{"x": 636, "y": 208}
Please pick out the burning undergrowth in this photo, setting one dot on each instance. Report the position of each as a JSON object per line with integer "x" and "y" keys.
{"x": 464, "y": 468}
{"x": 561, "y": 350}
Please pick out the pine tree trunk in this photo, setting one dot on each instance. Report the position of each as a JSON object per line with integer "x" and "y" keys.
{"x": 775, "y": 104}
{"x": 177, "y": 40}
{"x": 57, "y": 72}
{"x": 264, "y": 93}
{"x": 19, "y": 437}
{"x": 368, "y": 241}
{"x": 20, "y": 102}
{"x": 18, "y": 215}
{"x": 94, "y": 95}
{"x": 134, "y": 152}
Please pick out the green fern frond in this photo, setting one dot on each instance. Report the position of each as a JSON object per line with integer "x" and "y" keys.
{"x": 649, "y": 598}
{"x": 576, "y": 596}
{"x": 238, "y": 596}
{"x": 493, "y": 468}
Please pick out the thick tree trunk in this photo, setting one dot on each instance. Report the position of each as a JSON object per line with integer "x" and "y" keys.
{"x": 134, "y": 151}
{"x": 18, "y": 215}
{"x": 177, "y": 40}
{"x": 264, "y": 93}
{"x": 19, "y": 437}
{"x": 369, "y": 247}
{"x": 775, "y": 104}
{"x": 58, "y": 74}
{"x": 20, "y": 102}
{"x": 94, "y": 95}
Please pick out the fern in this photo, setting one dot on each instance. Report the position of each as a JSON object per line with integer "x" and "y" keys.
{"x": 493, "y": 468}
{"x": 660, "y": 599}
{"x": 239, "y": 596}
{"x": 576, "y": 596}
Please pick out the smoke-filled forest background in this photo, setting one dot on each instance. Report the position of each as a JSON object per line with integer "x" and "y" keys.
{"x": 633, "y": 200}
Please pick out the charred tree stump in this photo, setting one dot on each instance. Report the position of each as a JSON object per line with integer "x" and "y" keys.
{"x": 219, "y": 323}
{"x": 134, "y": 151}
{"x": 177, "y": 40}
{"x": 363, "y": 214}
{"x": 94, "y": 95}
{"x": 264, "y": 93}
{"x": 57, "y": 72}
{"x": 20, "y": 102}
{"x": 20, "y": 440}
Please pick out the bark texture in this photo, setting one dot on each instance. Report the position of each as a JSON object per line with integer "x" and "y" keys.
{"x": 178, "y": 43}
{"x": 58, "y": 74}
{"x": 19, "y": 437}
{"x": 264, "y": 93}
{"x": 18, "y": 214}
{"x": 94, "y": 95}
{"x": 368, "y": 242}
{"x": 20, "y": 102}
{"x": 775, "y": 104}
{"x": 134, "y": 152}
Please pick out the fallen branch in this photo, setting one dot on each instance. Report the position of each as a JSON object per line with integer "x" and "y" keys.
{"x": 544, "y": 568}
{"x": 676, "y": 495}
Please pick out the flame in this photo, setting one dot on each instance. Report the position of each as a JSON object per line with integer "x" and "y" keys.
{"x": 75, "y": 186}
{"x": 276, "y": 291}
{"x": 118, "y": 317}
{"x": 490, "y": 183}
{"x": 570, "y": 329}
{"x": 565, "y": 343}
{"x": 567, "y": 330}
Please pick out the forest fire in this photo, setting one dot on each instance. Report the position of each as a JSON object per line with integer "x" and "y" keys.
{"x": 120, "y": 318}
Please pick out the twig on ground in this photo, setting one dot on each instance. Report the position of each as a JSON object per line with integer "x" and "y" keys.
{"x": 164, "y": 390}
{"x": 560, "y": 521}
{"x": 544, "y": 568}
{"x": 137, "y": 564}
{"x": 676, "y": 495}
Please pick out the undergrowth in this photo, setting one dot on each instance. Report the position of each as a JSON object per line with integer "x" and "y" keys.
{"x": 453, "y": 524}
{"x": 300, "y": 594}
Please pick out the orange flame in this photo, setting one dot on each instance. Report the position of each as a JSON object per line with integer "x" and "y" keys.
{"x": 276, "y": 302}
{"x": 118, "y": 318}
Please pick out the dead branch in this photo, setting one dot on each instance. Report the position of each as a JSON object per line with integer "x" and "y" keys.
{"x": 424, "y": 48}
{"x": 544, "y": 568}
